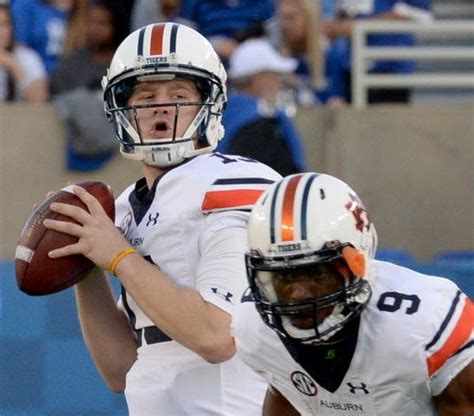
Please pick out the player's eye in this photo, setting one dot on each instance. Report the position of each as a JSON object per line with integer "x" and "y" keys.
{"x": 178, "y": 96}
{"x": 144, "y": 96}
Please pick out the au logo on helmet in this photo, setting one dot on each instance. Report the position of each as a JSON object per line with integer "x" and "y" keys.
{"x": 359, "y": 212}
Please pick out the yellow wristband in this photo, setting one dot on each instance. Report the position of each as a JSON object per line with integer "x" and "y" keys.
{"x": 119, "y": 256}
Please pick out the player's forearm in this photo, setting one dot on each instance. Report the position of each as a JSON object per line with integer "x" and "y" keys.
{"x": 105, "y": 330}
{"x": 179, "y": 312}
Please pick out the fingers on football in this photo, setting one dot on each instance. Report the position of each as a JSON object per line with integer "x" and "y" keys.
{"x": 91, "y": 202}
{"x": 66, "y": 251}
{"x": 77, "y": 213}
{"x": 64, "y": 227}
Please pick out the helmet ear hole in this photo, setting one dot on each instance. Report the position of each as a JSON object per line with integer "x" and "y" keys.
{"x": 355, "y": 260}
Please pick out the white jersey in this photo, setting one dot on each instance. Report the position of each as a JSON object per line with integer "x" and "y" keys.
{"x": 415, "y": 336}
{"x": 192, "y": 225}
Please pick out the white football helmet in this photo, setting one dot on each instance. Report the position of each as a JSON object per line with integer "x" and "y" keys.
{"x": 162, "y": 52}
{"x": 302, "y": 221}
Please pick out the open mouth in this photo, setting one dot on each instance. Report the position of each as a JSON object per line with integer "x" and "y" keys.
{"x": 160, "y": 126}
{"x": 160, "y": 130}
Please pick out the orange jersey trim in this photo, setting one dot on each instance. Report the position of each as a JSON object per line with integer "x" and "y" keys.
{"x": 287, "y": 215}
{"x": 156, "y": 44}
{"x": 230, "y": 199}
{"x": 456, "y": 339}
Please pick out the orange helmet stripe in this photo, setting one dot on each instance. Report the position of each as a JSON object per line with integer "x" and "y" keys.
{"x": 287, "y": 217}
{"x": 156, "y": 42}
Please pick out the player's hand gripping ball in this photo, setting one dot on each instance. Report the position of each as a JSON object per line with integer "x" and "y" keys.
{"x": 36, "y": 272}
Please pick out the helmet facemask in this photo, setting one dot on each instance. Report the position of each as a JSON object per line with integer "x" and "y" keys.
{"x": 313, "y": 319}
{"x": 200, "y": 136}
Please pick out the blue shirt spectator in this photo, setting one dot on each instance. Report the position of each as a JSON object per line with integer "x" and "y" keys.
{"x": 256, "y": 124}
{"x": 269, "y": 138}
{"x": 226, "y": 18}
{"x": 338, "y": 31}
{"x": 227, "y": 23}
{"x": 42, "y": 27}
{"x": 409, "y": 9}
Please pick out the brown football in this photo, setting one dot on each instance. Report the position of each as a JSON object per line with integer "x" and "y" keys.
{"x": 36, "y": 273}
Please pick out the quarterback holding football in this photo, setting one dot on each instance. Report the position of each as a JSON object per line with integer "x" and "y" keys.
{"x": 179, "y": 238}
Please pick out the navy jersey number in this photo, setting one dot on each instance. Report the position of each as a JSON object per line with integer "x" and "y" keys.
{"x": 231, "y": 159}
{"x": 393, "y": 301}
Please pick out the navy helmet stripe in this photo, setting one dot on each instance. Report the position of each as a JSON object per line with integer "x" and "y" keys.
{"x": 272, "y": 214}
{"x": 174, "y": 31}
{"x": 141, "y": 37}
{"x": 304, "y": 207}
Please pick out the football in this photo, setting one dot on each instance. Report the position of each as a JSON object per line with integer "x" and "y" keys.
{"x": 36, "y": 273}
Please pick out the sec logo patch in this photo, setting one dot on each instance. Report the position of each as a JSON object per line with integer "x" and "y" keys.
{"x": 304, "y": 383}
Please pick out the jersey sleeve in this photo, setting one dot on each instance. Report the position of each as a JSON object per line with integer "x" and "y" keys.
{"x": 221, "y": 276}
{"x": 227, "y": 201}
{"x": 452, "y": 346}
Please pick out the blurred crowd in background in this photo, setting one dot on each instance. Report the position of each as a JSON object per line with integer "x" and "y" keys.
{"x": 280, "y": 55}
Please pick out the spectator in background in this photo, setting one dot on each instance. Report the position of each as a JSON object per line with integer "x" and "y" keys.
{"x": 41, "y": 25}
{"x": 255, "y": 125}
{"x": 299, "y": 33}
{"x": 227, "y": 23}
{"x": 76, "y": 89}
{"x": 106, "y": 26}
{"x": 22, "y": 74}
{"x": 75, "y": 36}
{"x": 146, "y": 12}
{"x": 338, "y": 31}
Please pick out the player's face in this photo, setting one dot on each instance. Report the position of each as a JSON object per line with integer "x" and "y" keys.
{"x": 267, "y": 85}
{"x": 159, "y": 122}
{"x": 307, "y": 284}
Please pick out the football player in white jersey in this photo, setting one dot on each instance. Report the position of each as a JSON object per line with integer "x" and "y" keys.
{"x": 336, "y": 332}
{"x": 180, "y": 250}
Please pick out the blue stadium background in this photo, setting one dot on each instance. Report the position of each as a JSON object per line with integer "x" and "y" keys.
{"x": 45, "y": 369}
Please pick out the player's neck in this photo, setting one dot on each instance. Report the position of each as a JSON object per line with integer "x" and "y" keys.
{"x": 153, "y": 172}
